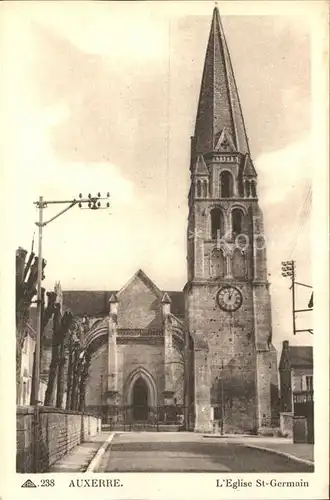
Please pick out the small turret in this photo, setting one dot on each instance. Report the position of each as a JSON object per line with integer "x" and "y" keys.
{"x": 166, "y": 305}
{"x": 113, "y": 304}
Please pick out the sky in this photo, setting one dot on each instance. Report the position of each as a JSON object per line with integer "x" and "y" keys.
{"x": 102, "y": 96}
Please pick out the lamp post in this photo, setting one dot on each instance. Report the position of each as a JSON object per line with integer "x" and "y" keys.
{"x": 93, "y": 203}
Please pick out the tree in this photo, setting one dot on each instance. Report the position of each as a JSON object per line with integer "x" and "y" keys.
{"x": 74, "y": 351}
{"x": 46, "y": 314}
{"x": 61, "y": 371}
{"x": 84, "y": 375}
{"x": 61, "y": 325}
{"x": 69, "y": 375}
{"x": 76, "y": 368}
{"x": 24, "y": 295}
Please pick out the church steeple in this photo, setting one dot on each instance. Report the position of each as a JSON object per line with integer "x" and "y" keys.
{"x": 219, "y": 123}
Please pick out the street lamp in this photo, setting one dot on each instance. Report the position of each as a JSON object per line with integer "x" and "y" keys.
{"x": 93, "y": 203}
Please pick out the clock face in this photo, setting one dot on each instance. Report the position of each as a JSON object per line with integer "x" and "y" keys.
{"x": 229, "y": 298}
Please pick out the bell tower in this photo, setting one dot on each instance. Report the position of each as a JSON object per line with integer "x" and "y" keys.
{"x": 228, "y": 315}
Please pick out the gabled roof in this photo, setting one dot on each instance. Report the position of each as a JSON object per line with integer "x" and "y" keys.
{"x": 219, "y": 105}
{"x": 248, "y": 168}
{"x": 301, "y": 356}
{"x": 200, "y": 166}
{"x": 225, "y": 142}
{"x": 296, "y": 357}
{"x": 141, "y": 275}
{"x": 96, "y": 303}
{"x": 89, "y": 302}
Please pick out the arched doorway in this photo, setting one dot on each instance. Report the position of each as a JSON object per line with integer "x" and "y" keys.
{"x": 140, "y": 395}
{"x": 140, "y": 400}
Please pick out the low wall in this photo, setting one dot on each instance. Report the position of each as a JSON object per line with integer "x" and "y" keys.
{"x": 45, "y": 434}
{"x": 286, "y": 424}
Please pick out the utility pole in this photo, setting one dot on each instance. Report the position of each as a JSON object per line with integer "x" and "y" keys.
{"x": 289, "y": 270}
{"x": 93, "y": 203}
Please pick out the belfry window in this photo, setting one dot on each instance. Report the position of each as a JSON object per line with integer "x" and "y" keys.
{"x": 237, "y": 221}
{"x": 217, "y": 264}
{"x": 217, "y": 223}
{"x": 226, "y": 185}
{"x": 253, "y": 189}
{"x": 205, "y": 190}
{"x": 238, "y": 264}
{"x": 247, "y": 189}
{"x": 199, "y": 189}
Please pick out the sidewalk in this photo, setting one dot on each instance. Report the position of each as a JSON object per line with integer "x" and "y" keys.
{"x": 78, "y": 459}
{"x": 285, "y": 446}
{"x": 302, "y": 451}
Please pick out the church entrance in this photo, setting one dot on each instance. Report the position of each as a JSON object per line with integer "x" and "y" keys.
{"x": 140, "y": 400}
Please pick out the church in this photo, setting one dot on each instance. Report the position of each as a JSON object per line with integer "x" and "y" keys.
{"x": 207, "y": 350}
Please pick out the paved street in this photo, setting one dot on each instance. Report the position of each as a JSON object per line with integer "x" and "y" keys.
{"x": 189, "y": 452}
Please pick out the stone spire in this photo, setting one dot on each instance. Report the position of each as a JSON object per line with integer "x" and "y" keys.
{"x": 219, "y": 122}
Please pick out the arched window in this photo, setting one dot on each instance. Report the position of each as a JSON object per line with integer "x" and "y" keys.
{"x": 217, "y": 264}
{"x": 217, "y": 223}
{"x": 226, "y": 185}
{"x": 241, "y": 188}
{"x": 237, "y": 221}
{"x": 247, "y": 189}
{"x": 205, "y": 189}
{"x": 199, "y": 189}
{"x": 238, "y": 264}
{"x": 253, "y": 189}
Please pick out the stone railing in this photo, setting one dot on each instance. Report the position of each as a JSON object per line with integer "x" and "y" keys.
{"x": 45, "y": 434}
{"x": 137, "y": 332}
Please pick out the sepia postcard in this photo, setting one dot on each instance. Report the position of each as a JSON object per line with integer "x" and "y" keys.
{"x": 164, "y": 249}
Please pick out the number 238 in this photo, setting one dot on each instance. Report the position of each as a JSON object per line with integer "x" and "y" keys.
{"x": 47, "y": 483}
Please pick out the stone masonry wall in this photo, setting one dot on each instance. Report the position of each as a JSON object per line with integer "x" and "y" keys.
{"x": 139, "y": 306}
{"x": 131, "y": 356}
{"x": 46, "y": 434}
{"x": 96, "y": 386}
{"x": 230, "y": 342}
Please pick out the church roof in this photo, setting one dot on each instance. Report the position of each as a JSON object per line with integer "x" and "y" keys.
{"x": 96, "y": 303}
{"x": 219, "y": 106}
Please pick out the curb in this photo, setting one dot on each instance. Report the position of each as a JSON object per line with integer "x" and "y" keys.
{"x": 229, "y": 436}
{"x": 278, "y": 452}
{"x": 99, "y": 454}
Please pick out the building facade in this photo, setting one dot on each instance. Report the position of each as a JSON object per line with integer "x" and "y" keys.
{"x": 26, "y": 372}
{"x": 136, "y": 339}
{"x": 296, "y": 375}
{"x": 209, "y": 348}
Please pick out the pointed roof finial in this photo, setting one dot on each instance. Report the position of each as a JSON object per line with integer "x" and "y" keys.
{"x": 113, "y": 298}
{"x": 166, "y": 299}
